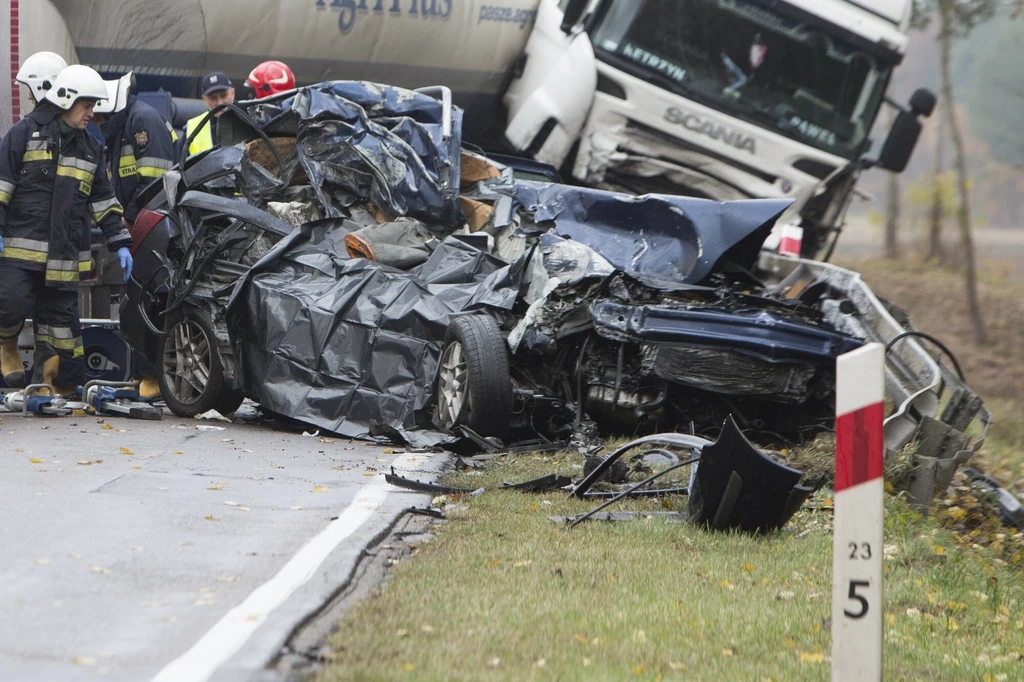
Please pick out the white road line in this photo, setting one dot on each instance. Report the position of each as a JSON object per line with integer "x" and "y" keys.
{"x": 225, "y": 638}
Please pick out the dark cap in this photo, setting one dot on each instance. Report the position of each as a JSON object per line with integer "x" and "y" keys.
{"x": 216, "y": 81}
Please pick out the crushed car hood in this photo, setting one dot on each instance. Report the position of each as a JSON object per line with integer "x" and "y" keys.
{"x": 655, "y": 236}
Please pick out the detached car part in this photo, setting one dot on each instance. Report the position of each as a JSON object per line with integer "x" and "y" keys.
{"x": 738, "y": 486}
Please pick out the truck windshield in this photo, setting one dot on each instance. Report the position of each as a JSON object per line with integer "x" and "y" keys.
{"x": 754, "y": 61}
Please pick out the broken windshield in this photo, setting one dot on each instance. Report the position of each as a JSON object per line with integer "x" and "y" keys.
{"x": 752, "y": 61}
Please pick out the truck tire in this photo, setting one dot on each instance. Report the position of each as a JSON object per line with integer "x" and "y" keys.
{"x": 474, "y": 387}
{"x": 190, "y": 371}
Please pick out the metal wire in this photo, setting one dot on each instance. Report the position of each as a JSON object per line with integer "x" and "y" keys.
{"x": 629, "y": 490}
{"x": 942, "y": 347}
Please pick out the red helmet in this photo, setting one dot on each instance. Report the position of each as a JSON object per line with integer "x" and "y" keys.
{"x": 270, "y": 78}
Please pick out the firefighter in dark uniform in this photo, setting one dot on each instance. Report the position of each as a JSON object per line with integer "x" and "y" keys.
{"x": 140, "y": 149}
{"x": 140, "y": 143}
{"x": 53, "y": 183}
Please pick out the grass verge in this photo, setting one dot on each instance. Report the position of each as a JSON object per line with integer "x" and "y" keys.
{"x": 503, "y": 593}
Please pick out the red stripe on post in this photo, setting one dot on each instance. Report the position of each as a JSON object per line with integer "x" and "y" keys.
{"x": 860, "y": 446}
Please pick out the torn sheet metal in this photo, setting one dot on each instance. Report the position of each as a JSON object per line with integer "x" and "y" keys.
{"x": 422, "y": 486}
{"x": 371, "y": 141}
{"x": 351, "y": 345}
{"x": 738, "y": 486}
{"x": 669, "y": 238}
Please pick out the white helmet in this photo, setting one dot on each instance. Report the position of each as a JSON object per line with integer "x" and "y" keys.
{"x": 76, "y": 82}
{"x": 117, "y": 94}
{"x": 38, "y": 72}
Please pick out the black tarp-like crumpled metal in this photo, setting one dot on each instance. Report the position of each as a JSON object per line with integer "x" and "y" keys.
{"x": 350, "y": 345}
{"x": 374, "y": 142}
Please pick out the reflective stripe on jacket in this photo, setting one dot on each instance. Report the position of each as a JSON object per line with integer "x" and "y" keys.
{"x": 51, "y": 189}
{"x": 140, "y": 145}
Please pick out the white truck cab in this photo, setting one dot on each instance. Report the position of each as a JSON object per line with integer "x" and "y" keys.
{"x": 723, "y": 99}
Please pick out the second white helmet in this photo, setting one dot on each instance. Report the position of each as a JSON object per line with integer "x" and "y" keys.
{"x": 117, "y": 94}
{"x": 76, "y": 82}
{"x": 38, "y": 72}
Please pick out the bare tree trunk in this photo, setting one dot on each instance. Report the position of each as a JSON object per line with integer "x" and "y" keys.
{"x": 892, "y": 218}
{"x": 964, "y": 214}
{"x": 938, "y": 210}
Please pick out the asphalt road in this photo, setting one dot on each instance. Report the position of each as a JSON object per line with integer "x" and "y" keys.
{"x": 169, "y": 551}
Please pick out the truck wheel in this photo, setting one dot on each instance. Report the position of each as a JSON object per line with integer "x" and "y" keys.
{"x": 474, "y": 387}
{"x": 190, "y": 373}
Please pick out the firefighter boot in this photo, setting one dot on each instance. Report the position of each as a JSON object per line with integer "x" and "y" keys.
{"x": 149, "y": 387}
{"x": 50, "y": 369}
{"x": 10, "y": 363}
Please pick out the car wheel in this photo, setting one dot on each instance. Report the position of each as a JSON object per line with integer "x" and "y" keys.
{"x": 474, "y": 387}
{"x": 190, "y": 373}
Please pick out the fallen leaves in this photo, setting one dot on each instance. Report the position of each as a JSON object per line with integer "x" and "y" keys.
{"x": 125, "y": 451}
{"x": 89, "y": 462}
{"x": 319, "y": 489}
{"x": 808, "y": 657}
{"x": 83, "y": 660}
{"x": 36, "y": 460}
{"x": 215, "y": 487}
{"x": 99, "y": 569}
{"x": 42, "y": 562}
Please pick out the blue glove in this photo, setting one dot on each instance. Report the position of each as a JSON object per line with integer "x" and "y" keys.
{"x": 126, "y": 261}
{"x": 1, "y": 244}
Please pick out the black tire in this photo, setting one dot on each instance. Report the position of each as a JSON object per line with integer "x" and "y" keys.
{"x": 484, "y": 382}
{"x": 189, "y": 366}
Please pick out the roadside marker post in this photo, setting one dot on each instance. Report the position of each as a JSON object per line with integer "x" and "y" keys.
{"x": 857, "y": 535}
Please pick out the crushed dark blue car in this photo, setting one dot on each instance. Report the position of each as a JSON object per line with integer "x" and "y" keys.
{"x": 342, "y": 261}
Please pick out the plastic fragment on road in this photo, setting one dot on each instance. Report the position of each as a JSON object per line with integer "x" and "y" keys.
{"x": 213, "y": 415}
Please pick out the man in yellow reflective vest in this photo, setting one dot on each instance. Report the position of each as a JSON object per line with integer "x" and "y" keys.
{"x": 217, "y": 89}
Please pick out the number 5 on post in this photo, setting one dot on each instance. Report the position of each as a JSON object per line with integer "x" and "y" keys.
{"x": 857, "y": 555}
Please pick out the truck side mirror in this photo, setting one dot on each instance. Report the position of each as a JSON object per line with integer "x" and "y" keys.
{"x": 902, "y": 139}
{"x": 574, "y": 10}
